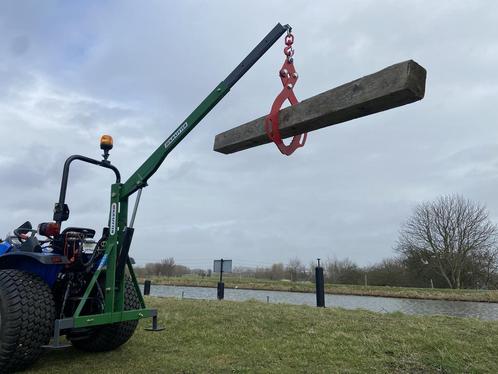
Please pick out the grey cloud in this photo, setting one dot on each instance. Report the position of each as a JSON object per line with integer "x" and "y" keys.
{"x": 136, "y": 71}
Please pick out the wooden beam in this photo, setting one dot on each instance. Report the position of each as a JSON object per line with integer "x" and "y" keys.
{"x": 394, "y": 86}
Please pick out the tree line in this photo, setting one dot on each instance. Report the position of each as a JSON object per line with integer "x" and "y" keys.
{"x": 450, "y": 242}
{"x": 166, "y": 268}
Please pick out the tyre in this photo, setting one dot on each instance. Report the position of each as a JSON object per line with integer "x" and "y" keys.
{"x": 27, "y": 313}
{"x": 108, "y": 337}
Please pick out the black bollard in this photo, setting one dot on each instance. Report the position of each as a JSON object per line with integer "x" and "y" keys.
{"x": 221, "y": 285}
{"x": 320, "y": 287}
{"x": 147, "y": 287}
{"x": 221, "y": 290}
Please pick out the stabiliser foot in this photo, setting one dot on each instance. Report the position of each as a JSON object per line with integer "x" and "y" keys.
{"x": 55, "y": 342}
{"x": 154, "y": 327}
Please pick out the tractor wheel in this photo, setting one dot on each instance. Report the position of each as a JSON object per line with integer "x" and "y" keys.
{"x": 27, "y": 313}
{"x": 109, "y": 337}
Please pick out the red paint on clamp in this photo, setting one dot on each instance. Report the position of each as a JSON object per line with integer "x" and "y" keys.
{"x": 288, "y": 76}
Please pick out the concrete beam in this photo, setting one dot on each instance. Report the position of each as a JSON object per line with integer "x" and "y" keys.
{"x": 394, "y": 86}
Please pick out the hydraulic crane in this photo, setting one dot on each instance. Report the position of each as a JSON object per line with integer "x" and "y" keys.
{"x": 78, "y": 286}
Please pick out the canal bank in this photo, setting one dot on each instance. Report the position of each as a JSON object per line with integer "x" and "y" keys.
{"x": 490, "y": 296}
{"x": 484, "y": 311}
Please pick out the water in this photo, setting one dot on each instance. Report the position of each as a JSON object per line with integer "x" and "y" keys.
{"x": 485, "y": 311}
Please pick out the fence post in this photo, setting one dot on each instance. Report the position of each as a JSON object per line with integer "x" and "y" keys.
{"x": 221, "y": 285}
{"x": 221, "y": 291}
{"x": 147, "y": 287}
{"x": 320, "y": 286}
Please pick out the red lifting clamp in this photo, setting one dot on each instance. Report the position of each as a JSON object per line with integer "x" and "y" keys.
{"x": 288, "y": 76}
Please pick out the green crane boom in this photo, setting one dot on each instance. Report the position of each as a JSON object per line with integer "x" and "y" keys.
{"x": 116, "y": 259}
{"x": 148, "y": 168}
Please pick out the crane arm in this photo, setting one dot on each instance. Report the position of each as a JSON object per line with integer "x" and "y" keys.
{"x": 140, "y": 177}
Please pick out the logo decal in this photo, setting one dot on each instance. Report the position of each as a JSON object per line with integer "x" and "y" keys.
{"x": 176, "y": 134}
{"x": 112, "y": 224}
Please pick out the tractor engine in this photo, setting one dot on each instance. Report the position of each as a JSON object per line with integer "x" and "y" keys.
{"x": 83, "y": 253}
{"x": 77, "y": 245}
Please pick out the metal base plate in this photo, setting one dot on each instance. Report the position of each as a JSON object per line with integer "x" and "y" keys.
{"x": 155, "y": 329}
{"x": 56, "y": 345}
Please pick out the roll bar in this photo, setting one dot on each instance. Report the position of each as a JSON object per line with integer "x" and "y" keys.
{"x": 61, "y": 210}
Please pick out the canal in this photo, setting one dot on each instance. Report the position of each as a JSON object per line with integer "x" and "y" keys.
{"x": 485, "y": 311}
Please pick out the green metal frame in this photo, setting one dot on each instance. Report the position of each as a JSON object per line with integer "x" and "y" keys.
{"x": 114, "y": 291}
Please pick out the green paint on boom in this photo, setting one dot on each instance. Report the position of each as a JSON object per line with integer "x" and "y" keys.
{"x": 149, "y": 167}
{"x": 120, "y": 192}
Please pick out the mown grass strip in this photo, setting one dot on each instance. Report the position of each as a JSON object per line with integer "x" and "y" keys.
{"x": 252, "y": 337}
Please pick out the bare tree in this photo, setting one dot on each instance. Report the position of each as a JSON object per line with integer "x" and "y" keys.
{"x": 342, "y": 271}
{"x": 482, "y": 267}
{"x": 447, "y": 234}
{"x": 277, "y": 271}
{"x": 296, "y": 269}
{"x": 167, "y": 267}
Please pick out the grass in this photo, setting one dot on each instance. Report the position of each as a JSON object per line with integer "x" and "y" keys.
{"x": 338, "y": 289}
{"x": 251, "y": 337}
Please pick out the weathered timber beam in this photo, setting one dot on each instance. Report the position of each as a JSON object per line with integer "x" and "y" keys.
{"x": 394, "y": 86}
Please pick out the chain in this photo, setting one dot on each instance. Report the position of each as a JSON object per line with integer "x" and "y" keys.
{"x": 289, "y": 49}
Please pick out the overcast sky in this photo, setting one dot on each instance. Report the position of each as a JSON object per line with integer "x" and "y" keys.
{"x": 71, "y": 71}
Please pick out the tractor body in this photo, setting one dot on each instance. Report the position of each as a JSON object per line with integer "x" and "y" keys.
{"x": 66, "y": 282}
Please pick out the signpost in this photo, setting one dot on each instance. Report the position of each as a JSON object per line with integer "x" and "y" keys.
{"x": 222, "y": 266}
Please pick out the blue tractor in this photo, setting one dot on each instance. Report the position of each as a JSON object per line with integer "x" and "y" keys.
{"x": 44, "y": 273}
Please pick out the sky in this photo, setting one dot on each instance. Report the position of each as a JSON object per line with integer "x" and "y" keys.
{"x": 72, "y": 71}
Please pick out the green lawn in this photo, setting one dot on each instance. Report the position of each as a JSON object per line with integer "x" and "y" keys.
{"x": 247, "y": 337}
{"x": 339, "y": 289}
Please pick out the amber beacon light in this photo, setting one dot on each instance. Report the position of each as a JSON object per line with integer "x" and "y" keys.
{"x": 106, "y": 142}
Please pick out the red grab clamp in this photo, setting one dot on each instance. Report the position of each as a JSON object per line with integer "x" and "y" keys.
{"x": 288, "y": 76}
